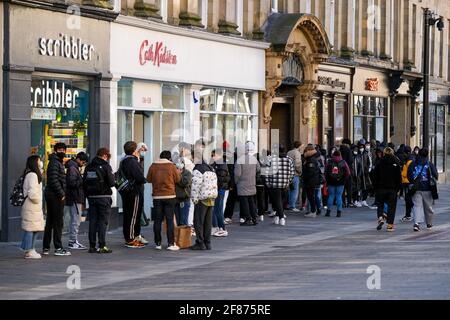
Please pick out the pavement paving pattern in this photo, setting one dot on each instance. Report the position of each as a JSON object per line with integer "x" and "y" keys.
{"x": 308, "y": 259}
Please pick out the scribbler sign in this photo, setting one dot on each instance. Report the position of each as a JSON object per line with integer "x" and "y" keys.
{"x": 156, "y": 53}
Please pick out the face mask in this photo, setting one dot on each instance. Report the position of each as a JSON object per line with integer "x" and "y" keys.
{"x": 361, "y": 150}
{"x": 367, "y": 148}
{"x": 61, "y": 155}
{"x": 142, "y": 153}
{"x": 416, "y": 152}
{"x": 355, "y": 153}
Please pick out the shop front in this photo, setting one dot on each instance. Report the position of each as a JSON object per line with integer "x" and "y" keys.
{"x": 54, "y": 84}
{"x": 371, "y": 106}
{"x": 330, "y": 105}
{"x": 176, "y": 85}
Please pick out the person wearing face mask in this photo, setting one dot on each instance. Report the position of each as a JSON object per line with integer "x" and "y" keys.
{"x": 355, "y": 177}
{"x": 364, "y": 164}
{"x": 75, "y": 198}
{"x": 55, "y": 196}
{"x": 142, "y": 149}
{"x": 31, "y": 212}
{"x": 98, "y": 180}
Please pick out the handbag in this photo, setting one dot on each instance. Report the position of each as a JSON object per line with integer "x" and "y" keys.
{"x": 433, "y": 185}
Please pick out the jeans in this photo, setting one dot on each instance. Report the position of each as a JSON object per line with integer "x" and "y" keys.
{"x": 335, "y": 192}
{"x": 54, "y": 223}
{"x": 293, "y": 194}
{"x": 75, "y": 220}
{"x": 28, "y": 240}
{"x": 164, "y": 208}
{"x": 99, "y": 213}
{"x": 182, "y": 212}
{"x": 314, "y": 198}
{"x": 389, "y": 198}
{"x": 218, "y": 213}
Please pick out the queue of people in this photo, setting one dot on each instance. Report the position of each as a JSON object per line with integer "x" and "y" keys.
{"x": 190, "y": 188}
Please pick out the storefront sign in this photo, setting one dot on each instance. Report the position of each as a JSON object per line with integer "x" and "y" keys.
{"x": 372, "y": 84}
{"x": 329, "y": 82}
{"x": 66, "y": 47}
{"x": 156, "y": 53}
{"x": 43, "y": 114}
{"x": 54, "y": 95}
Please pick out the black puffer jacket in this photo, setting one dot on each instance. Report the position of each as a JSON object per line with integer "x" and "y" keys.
{"x": 108, "y": 177}
{"x": 312, "y": 176}
{"x": 388, "y": 174}
{"x": 56, "y": 178}
{"x": 74, "y": 180}
{"x": 223, "y": 175}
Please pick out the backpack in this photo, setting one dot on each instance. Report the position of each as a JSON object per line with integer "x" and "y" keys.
{"x": 336, "y": 172}
{"x": 123, "y": 184}
{"x": 17, "y": 198}
{"x": 94, "y": 180}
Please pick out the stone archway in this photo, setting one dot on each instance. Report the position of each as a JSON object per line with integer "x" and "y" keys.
{"x": 301, "y": 35}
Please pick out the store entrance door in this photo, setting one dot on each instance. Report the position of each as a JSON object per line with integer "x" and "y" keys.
{"x": 281, "y": 121}
{"x": 134, "y": 125}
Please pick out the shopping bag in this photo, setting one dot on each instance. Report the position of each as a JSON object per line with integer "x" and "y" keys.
{"x": 183, "y": 237}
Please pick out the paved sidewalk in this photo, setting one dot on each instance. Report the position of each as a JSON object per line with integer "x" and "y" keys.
{"x": 322, "y": 258}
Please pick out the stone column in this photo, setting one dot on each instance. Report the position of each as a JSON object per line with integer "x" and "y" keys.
{"x": 249, "y": 20}
{"x": 228, "y": 18}
{"x": 347, "y": 28}
{"x": 173, "y": 12}
{"x": 190, "y": 15}
{"x": 147, "y": 9}
{"x": 213, "y": 15}
{"x": 261, "y": 12}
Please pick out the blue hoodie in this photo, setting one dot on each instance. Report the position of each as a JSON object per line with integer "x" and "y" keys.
{"x": 422, "y": 166}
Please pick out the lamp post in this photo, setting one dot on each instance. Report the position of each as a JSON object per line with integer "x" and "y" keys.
{"x": 430, "y": 21}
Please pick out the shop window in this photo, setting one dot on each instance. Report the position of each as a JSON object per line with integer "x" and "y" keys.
{"x": 339, "y": 121}
{"x": 124, "y": 93}
{"x": 172, "y": 128}
{"x": 60, "y": 113}
{"x": 244, "y": 102}
{"x": 207, "y": 100}
{"x": 172, "y": 96}
{"x": 369, "y": 118}
{"x": 226, "y": 100}
{"x": 314, "y": 131}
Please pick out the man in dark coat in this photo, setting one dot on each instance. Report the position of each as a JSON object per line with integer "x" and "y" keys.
{"x": 55, "y": 195}
{"x": 75, "y": 198}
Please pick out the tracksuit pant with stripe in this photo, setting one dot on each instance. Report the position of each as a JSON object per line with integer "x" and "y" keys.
{"x": 132, "y": 210}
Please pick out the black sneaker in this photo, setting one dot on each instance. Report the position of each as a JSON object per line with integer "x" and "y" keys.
{"x": 46, "y": 252}
{"x": 319, "y": 212}
{"x": 104, "y": 250}
{"x": 247, "y": 223}
{"x": 416, "y": 228}
{"x": 93, "y": 250}
{"x": 381, "y": 222}
{"x": 255, "y": 222}
{"x": 429, "y": 226}
{"x": 328, "y": 214}
{"x": 339, "y": 214}
{"x": 62, "y": 252}
{"x": 198, "y": 247}
{"x": 208, "y": 247}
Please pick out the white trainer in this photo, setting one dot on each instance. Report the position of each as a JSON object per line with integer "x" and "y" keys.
{"x": 158, "y": 247}
{"x": 358, "y": 204}
{"x": 276, "y": 220}
{"x": 173, "y": 247}
{"x": 283, "y": 222}
{"x": 241, "y": 220}
{"x": 261, "y": 218}
{"x": 33, "y": 255}
{"x": 228, "y": 221}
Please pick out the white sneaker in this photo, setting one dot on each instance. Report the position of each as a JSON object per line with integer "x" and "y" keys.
{"x": 33, "y": 255}
{"x": 294, "y": 210}
{"x": 214, "y": 231}
{"x": 365, "y": 204}
{"x": 221, "y": 233}
{"x": 228, "y": 221}
{"x": 261, "y": 218}
{"x": 283, "y": 222}
{"x": 142, "y": 240}
{"x": 76, "y": 246}
{"x": 276, "y": 220}
{"x": 158, "y": 247}
{"x": 358, "y": 204}
{"x": 173, "y": 247}
{"x": 241, "y": 220}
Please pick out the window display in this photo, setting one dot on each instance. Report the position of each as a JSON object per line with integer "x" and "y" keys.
{"x": 60, "y": 113}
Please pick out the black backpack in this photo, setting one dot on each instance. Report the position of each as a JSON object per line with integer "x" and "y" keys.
{"x": 336, "y": 172}
{"x": 17, "y": 198}
{"x": 94, "y": 180}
